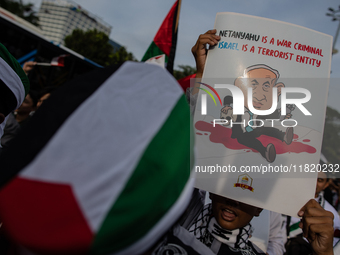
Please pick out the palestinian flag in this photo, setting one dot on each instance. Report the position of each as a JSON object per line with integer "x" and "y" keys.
{"x": 58, "y": 61}
{"x": 158, "y": 60}
{"x": 185, "y": 82}
{"x": 14, "y": 85}
{"x": 166, "y": 38}
{"x": 103, "y": 167}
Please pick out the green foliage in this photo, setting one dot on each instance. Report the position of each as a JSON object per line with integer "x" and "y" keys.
{"x": 95, "y": 46}
{"x": 92, "y": 44}
{"x": 24, "y": 11}
{"x": 331, "y": 136}
{"x": 184, "y": 72}
{"x": 121, "y": 55}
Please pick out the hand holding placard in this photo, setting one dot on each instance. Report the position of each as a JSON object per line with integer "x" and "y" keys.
{"x": 317, "y": 225}
{"x": 199, "y": 50}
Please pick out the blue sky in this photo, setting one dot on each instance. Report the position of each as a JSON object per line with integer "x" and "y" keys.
{"x": 135, "y": 23}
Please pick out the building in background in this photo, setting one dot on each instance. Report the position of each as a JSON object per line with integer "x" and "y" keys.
{"x": 20, "y": 21}
{"x": 58, "y": 18}
{"x": 26, "y": 43}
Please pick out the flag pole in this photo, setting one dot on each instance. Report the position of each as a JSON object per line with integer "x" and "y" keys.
{"x": 43, "y": 64}
{"x": 178, "y": 11}
{"x": 170, "y": 64}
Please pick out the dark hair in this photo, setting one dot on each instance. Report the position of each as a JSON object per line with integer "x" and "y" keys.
{"x": 46, "y": 90}
{"x": 8, "y": 101}
{"x": 35, "y": 97}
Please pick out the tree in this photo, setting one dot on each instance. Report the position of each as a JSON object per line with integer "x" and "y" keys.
{"x": 121, "y": 55}
{"x": 331, "y": 136}
{"x": 185, "y": 71}
{"x": 92, "y": 44}
{"x": 24, "y": 11}
{"x": 95, "y": 46}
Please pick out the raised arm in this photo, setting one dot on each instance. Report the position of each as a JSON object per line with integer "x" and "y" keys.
{"x": 199, "y": 51}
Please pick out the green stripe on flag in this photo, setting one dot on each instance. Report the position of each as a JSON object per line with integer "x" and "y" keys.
{"x": 13, "y": 63}
{"x": 294, "y": 226}
{"x": 153, "y": 51}
{"x": 150, "y": 193}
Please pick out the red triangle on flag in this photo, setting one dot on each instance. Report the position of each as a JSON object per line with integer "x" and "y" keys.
{"x": 58, "y": 61}
{"x": 163, "y": 38}
{"x": 185, "y": 82}
{"x": 49, "y": 220}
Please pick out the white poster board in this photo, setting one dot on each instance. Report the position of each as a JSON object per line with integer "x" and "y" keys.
{"x": 271, "y": 163}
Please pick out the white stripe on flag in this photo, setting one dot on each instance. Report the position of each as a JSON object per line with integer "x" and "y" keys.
{"x": 13, "y": 81}
{"x": 58, "y": 61}
{"x": 100, "y": 144}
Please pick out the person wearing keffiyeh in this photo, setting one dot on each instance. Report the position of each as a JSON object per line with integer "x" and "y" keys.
{"x": 224, "y": 226}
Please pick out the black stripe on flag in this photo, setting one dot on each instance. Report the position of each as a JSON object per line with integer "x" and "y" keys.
{"x": 47, "y": 120}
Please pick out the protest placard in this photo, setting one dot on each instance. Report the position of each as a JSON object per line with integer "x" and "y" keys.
{"x": 260, "y": 112}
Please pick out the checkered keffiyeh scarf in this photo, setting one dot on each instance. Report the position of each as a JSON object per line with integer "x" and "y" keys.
{"x": 206, "y": 229}
{"x": 321, "y": 199}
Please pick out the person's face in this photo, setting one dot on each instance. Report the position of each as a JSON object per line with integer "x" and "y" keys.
{"x": 231, "y": 214}
{"x": 321, "y": 183}
{"x": 27, "y": 106}
{"x": 262, "y": 82}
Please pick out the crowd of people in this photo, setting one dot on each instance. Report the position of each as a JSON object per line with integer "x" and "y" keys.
{"x": 178, "y": 219}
